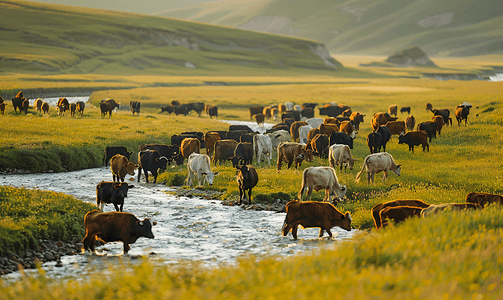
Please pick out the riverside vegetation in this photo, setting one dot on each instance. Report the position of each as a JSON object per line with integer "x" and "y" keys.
{"x": 454, "y": 255}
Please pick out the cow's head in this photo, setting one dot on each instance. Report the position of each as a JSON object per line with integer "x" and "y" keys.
{"x": 338, "y": 191}
{"x": 162, "y": 162}
{"x": 145, "y": 228}
{"x": 209, "y": 176}
{"x": 236, "y": 161}
{"x": 397, "y": 170}
{"x": 351, "y": 162}
{"x": 121, "y": 189}
{"x": 345, "y": 222}
{"x": 244, "y": 172}
{"x": 307, "y": 154}
{"x": 129, "y": 167}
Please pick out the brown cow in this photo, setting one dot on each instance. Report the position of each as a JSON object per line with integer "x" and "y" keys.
{"x": 434, "y": 209}
{"x": 462, "y": 113}
{"x": 381, "y": 119}
{"x": 189, "y": 146}
{"x": 80, "y": 107}
{"x": 311, "y": 134}
{"x": 62, "y": 106}
{"x": 482, "y": 199}
{"x": 331, "y": 120}
{"x": 415, "y": 138}
{"x": 267, "y": 112}
{"x": 440, "y": 123}
{"x": 396, "y": 127}
{"x": 255, "y": 110}
{"x": 410, "y": 122}
{"x": 314, "y": 214}
{"x": 293, "y": 152}
{"x": 320, "y": 144}
{"x": 115, "y": 227}
{"x": 107, "y": 106}
{"x": 398, "y": 214}
{"x": 294, "y": 129}
{"x": 38, "y": 105}
{"x": 348, "y": 128}
{"x": 347, "y": 113}
{"x": 377, "y": 208}
{"x": 224, "y": 149}
{"x": 356, "y": 118}
{"x": 259, "y": 118}
{"x": 392, "y": 109}
{"x": 247, "y": 179}
{"x": 45, "y": 107}
{"x": 2, "y": 107}
{"x": 328, "y": 129}
{"x": 73, "y": 108}
{"x": 121, "y": 166}
{"x": 210, "y": 139}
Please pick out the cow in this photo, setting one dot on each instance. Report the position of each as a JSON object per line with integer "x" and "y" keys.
{"x": 332, "y": 110}
{"x": 294, "y": 129}
{"x": 392, "y": 109}
{"x": 121, "y": 166}
{"x": 135, "y": 107}
{"x": 317, "y": 178}
{"x": 198, "y": 107}
{"x": 107, "y": 106}
{"x": 45, "y": 107}
{"x": 347, "y": 113}
{"x": 255, "y": 110}
{"x": 374, "y": 142}
{"x": 176, "y": 160}
{"x": 105, "y": 109}
{"x": 115, "y": 227}
{"x": 223, "y": 150}
{"x": 303, "y": 133}
{"x": 398, "y": 214}
{"x": 348, "y": 128}
{"x": 168, "y": 151}
{"x": 211, "y": 110}
{"x": 328, "y": 129}
{"x": 176, "y": 139}
{"x": 440, "y": 123}
{"x": 331, "y": 120}
{"x": 483, "y": 199}
{"x": 62, "y": 106}
{"x": 111, "y": 192}
{"x": 175, "y": 103}
{"x": 181, "y": 109}
{"x": 307, "y": 113}
{"x": 189, "y": 146}
{"x": 429, "y": 107}
{"x": 235, "y": 135}
{"x": 380, "y": 119}
{"x": 293, "y": 152}
{"x": 38, "y": 105}
{"x": 434, "y": 209}
{"x": 73, "y": 108}
{"x": 245, "y": 151}
{"x": 396, "y": 127}
{"x": 311, "y": 105}
{"x": 415, "y": 138}
{"x": 444, "y": 113}
{"x": 17, "y": 102}
{"x": 462, "y": 113}
{"x": 25, "y": 105}
{"x": 405, "y": 109}
{"x": 262, "y": 146}
{"x": 410, "y": 122}
{"x": 341, "y": 138}
{"x": 385, "y": 136}
{"x": 110, "y": 151}
{"x": 150, "y": 160}
{"x": 247, "y": 137}
{"x": 341, "y": 155}
{"x": 314, "y": 214}
{"x": 274, "y": 113}
{"x": 378, "y": 207}
{"x": 247, "y": 179}
{"x": 259, "y": 118}
{"x": 196, "y": 134}
{"x": 2, "y": 107}
{"x": 311, "y": 134}
{"x": 169, "y": 109}
{"x": 314, "y": 122}
{"x": 376, "y": 163}
{"x": 356, "y": 118}
{"x": 320, "y": 144}
{"x": 279, "y": 137}
{"x": 209, "y": 141}
{"x": 267, "y": 112}
{"x": 430, "y": 127}
{"x": 80, "y": 107}
{"x": 199, "y": 164}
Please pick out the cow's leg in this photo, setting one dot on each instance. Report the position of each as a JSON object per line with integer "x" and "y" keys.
{"x": 102, "y": 206}
{"x": 269, "y": 157}
{"x": 139, "y": 174}
{"x": 189, "y": 178}
{"x": 249, "y": 196}
{"x": 322, "y": 231}
{"x": 154, "y": 173}
{"x": 259, "y": 155}
{"x": 294, "y": 231}
{"x": 126, "y": 246}
{"x": 370, "y": 177}
{"x": 384, "y": 176}
{"x": 199, "y": 177}
{"x": 327, "y": 195}
{"x": 329, "y": 232}
{"x": 309, "y": 193}
{"x": 116, "y": 206}
{"x": 240, "y": 194}
{"x": 290, "y": 164}
{"x": 299, "y": 196}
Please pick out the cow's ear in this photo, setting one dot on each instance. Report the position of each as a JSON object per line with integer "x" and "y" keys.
{"x": 154, "y": 223}
{"x": 204, "y": 173}
{"x": 399, "y": 165}
{"x": 216, "y": 173}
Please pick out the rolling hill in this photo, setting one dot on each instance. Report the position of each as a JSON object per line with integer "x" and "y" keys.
{"x": 48, "y": 38}
{"x": 379, "y": 27}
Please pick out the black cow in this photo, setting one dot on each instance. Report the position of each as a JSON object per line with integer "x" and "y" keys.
{"x": 415, "y": 138}
{"x": 150, "y": 160}
{"x": 320, "y": 145}
{"x": 462, "y": 112}
{"x": 291, "y": 115}
{"x": 235, "y": 135}
{"x": 430, "y": 127}
{"x": 385, "y": 136}
{"x": 444, "y": 113}
{"x": 176, "y": 139}
{"x": 213, "y": 111}
{"x": 176, "y": 159}
{"x": 198, "y": 107}
{"x": 240, "y": 127}
{"x": 307, "y": 112}
{"x": 199, "y": 135}
{"x": 110, "y": 151}
{"x": 405, "y": 109}
{"x": 341, "y": 138}
{"x": 168, "y": 151}
{"x": 244, "y": 150}
{"x": 311, "y": 105}
{"x": 247, "y": 179}
{"x": 18, "y": 103}
{"x": 111, "y": 192}
{"x": 169, "y": 109}
{"x": 182, "y": 109}
{"x": 332, "y": 110}
{"x": 135, "y": 107}
{"x": 374, "y": 142}
{"x": 247, "y": 137}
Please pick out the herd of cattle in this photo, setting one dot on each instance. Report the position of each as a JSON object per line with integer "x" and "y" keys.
{"x": 23, "y": 104}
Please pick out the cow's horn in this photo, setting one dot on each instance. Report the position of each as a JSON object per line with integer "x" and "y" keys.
{"x": 141, "y": 223}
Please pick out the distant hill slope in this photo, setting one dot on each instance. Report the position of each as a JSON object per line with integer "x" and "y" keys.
{"x": 37, "y": 37}
{"x": 381, "y": 27}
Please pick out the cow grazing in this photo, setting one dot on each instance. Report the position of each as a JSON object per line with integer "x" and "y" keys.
{"x": 198, "y": 107}
{"x": 410, "y": 122}
{"x": 255, "y": 110}
{"x": 209, "y": 141}
{"x": 444, "y": 113}
{"x": 2, "y": 107}
{"x": 38, "y": 105}
{"x": 348, "y": 128}
{"x": 320, "y": 144}
{"x": 483, "y": 199}
{"x": 245, "y": 151}
{"x": 415, "y": 138}
{"x": 314, "y": 122}
{"x": 80, "y": 107}
{"x": 317, "y": 178}
{"x": 279, "y": 137}
{"x": 405, "y": 109}
{"x": 182, "y": 109}
{"x": 374, "y": 142}
{"x": 380, "y": 119}
{"x": 430, "y": 127}
{"x": 73, "y": 108}
{"x": 262, "y": 148}
{"x": 62, "y": 106}
{"x": 168, "y": 151}
{"x": 189, "y": 146}
{"x": 134, "y": 106}
{"x": 247, "y": 179}
{"x": 356, "y": 118}
{"x": 434, "y": 209}
{"x": 259, "y": 118}
{"x": 385, "y": 136}
{"x": 115, "y": 227}
{"x": 341, "y": 138}
{"x": 294, "y": 129}
{"x": 396, "y": 127}
{"x": 440, "y": 123}
{"x": 314, "y": 214}
{"x": 462, "y": 113}
{"x": 121, "y": 166}
{"x": 150, "y": 160}
{"x": 376, "y": 163}
{"x": 377, "y": 208}
{"x": 392, "y": 109}
{"x": 224, "y": 149}
{"x": 110, "y": 151}
{"x": 111, "y": 192}
{"x": 293, "y": 152}
{"x": 45, "y": 107}
{"x": 303, "y": 133}
{"x": 341, "y": 155}
{"x": 199, "y": 164}
{"x": 398, "y": 214}
{"x": 328, "y": 129}
{"x": 107, "y": 106}
{"x": 18, "y": 103}
{"x": 169, "y": 109}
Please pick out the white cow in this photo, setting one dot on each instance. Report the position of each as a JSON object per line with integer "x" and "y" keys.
{"x": 303, "y": 131}
{"x": 379, "y": 162}
{"x": 339, "y": 154}
{"x": 289, "y": 105}
{"x": 297, "y": 107}
{"x": 199, "y": 164}
{"x": 317, "y": 178}
{"x": 262, "y": 145}
{"x": 315, "y": 122}
{"x": 278, "y": 137}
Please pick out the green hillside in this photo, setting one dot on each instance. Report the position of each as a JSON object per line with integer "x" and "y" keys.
{"x": 49, "y": 38}
{"x": 440, "y": 28}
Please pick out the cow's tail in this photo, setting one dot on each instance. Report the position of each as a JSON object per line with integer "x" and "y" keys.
{"x": 363, "y": 167}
